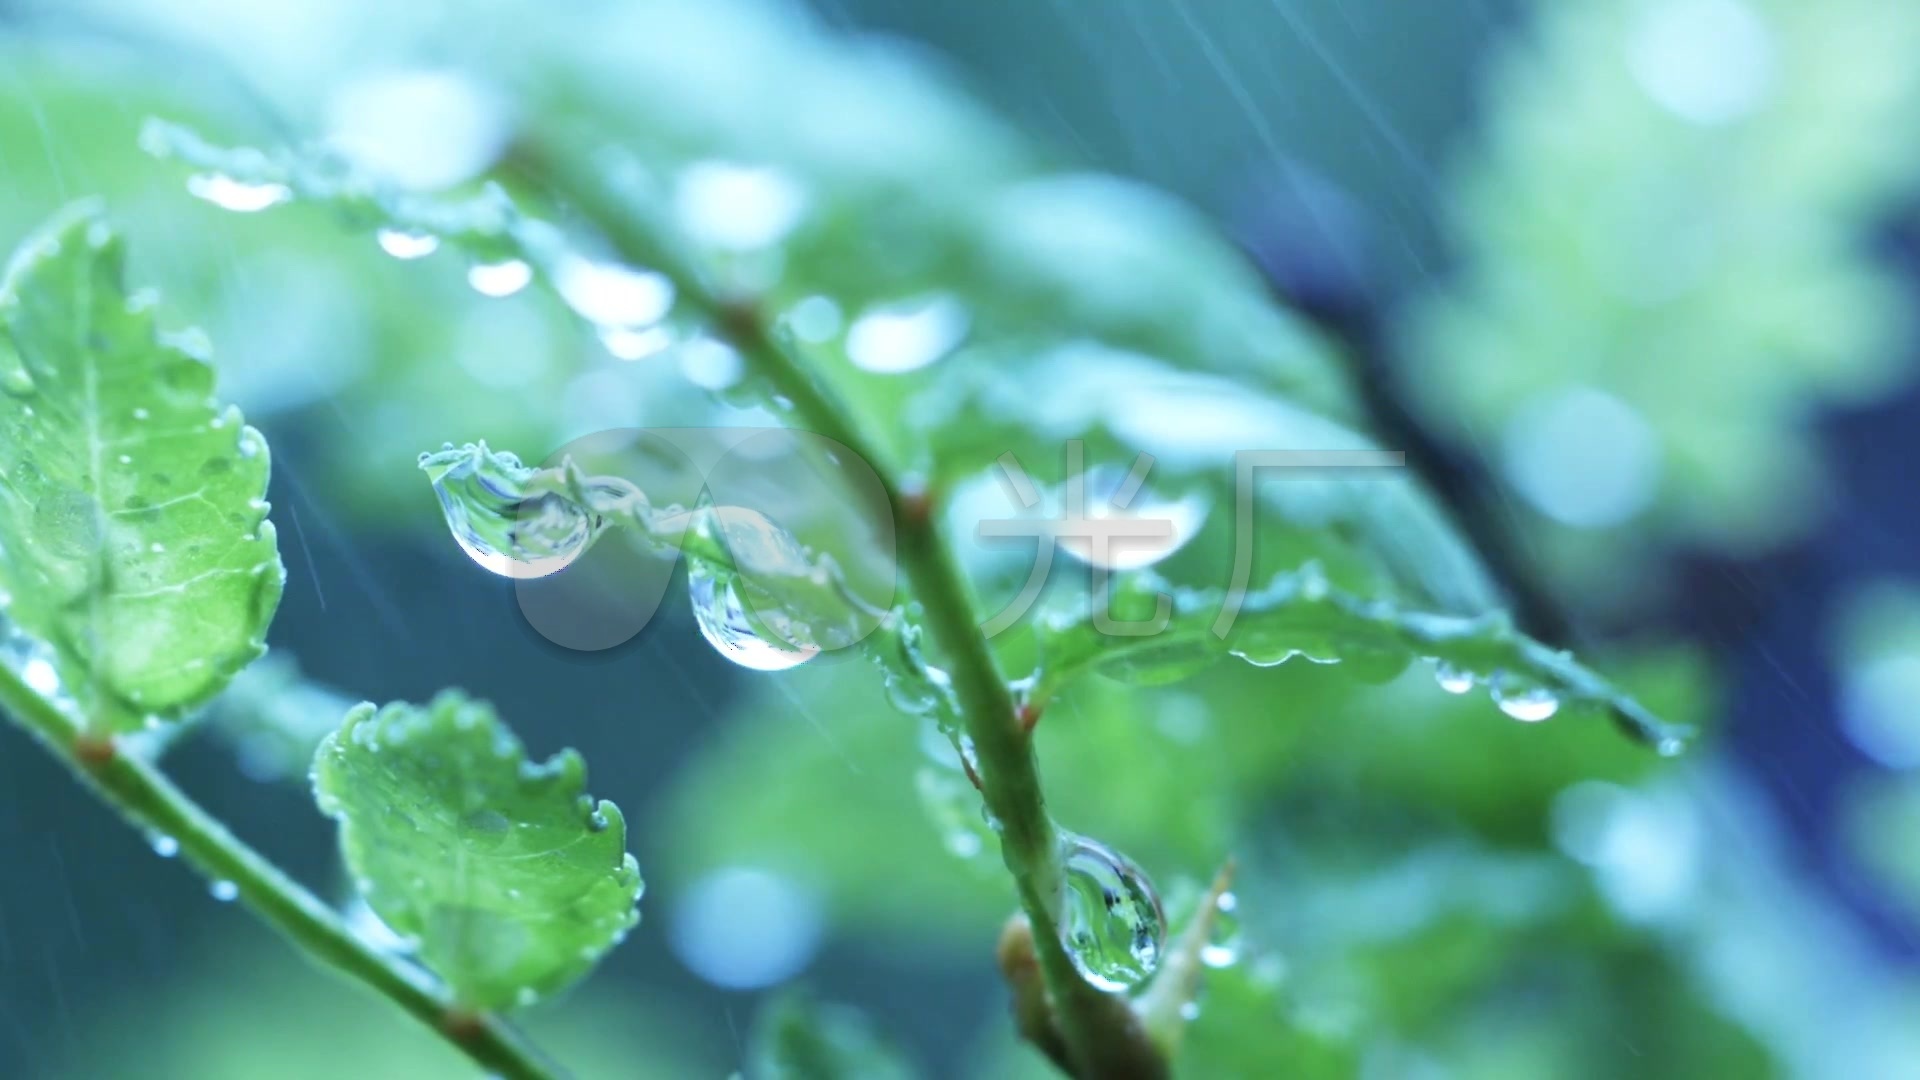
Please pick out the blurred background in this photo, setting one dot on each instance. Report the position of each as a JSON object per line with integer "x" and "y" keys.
{"x": 1632, "y": 279}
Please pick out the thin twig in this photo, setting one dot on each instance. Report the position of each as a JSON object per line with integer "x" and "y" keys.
{"x": 142, "y": 795}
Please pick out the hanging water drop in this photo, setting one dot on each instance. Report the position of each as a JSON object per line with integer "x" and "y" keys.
{"x": 499, "y": 279}
{"x": 1223, "y": 942}
{"x": 237, "y": 195}
{"x": 504, "y": 530}
{"x": 627, "y": 343}
{"x": 1145, "y": 527}
{"x": 1452, "y": 679}
{"x": 710, "y": 365}
{"x": 891, "y": 339}
{"x": 224, "y": 891}
{"x": 402, "y": 244}
{"x": 724, "y": 622}
{"x": 1111, "y": 921}
{"x": 609, "y": 294}
{"x": 163, "y": 845}
{"x": 1526, "y": 703}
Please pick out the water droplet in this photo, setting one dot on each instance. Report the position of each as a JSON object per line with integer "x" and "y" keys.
{"x": 710, "y": 364}
{"x": 41, "y": 677}
{"x": 237, "y": 195}
{"x": 1190, "y": 1011}
{"x": 1111, "y": 921}
{"x": 724, "y": 622}
{"x": 1670, "y": 747}
{"x": 815, "y": 320}
{"x": 224, "y": 891}
{"x": 15, "y": 380}
{"x": 609, "y": 294}
{"x": 1143, "y": 528}
{"x": 163, "y": 845}
{"x": 1526, "y": 703}
{"x": 737, "y": 207}
{"x": 890, "y": 339}
{"x": 141, "y": 414}
{"x": 402, "y": 244}
{"x": 500, "y": 278}
{"x": 1223, "y": 943}
{"x": 510, "y": 535}
{"x": 627, "y": 343}
{"x": 1452, "y": 679}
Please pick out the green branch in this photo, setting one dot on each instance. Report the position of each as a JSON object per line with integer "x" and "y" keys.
{"x": 1008, "y": 773}
{"x": 147, "y": 800}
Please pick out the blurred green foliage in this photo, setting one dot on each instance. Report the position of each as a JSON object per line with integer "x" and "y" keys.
{"x": 1664, "y": 239}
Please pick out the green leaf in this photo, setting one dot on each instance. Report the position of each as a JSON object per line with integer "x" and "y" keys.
{"x": 132, "y": 506}
{"x": 1300, "y": 615}
{"x": 797, "y": 1038}
{"x": 513, "y": 880}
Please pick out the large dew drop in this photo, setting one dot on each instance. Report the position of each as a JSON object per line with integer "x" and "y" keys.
{"x": 724, "y": 622}
{"x": 1120, "y": 524}
{"x": 506, "y": 533}
{"x": 1111, "y": 921}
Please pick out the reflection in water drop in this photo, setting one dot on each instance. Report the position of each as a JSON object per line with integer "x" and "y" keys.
{"x": 407, "y": 245}
{"x": 890, "y": 339}
{"x": 724, "y": 622}
{"x": 229, "y": 194}
{"x": 1110, "y": 917}
{"x": 499, "y": 279}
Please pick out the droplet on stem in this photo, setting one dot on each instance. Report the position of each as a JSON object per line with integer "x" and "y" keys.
{"x": 1111, "y": 921}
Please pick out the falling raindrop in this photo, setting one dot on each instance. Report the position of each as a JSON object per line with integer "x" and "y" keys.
{"x": 724, "y": 622}
{"x": 1452, "y": 679}
{"x": 1524, "y": 702}
{"x": 1111, "y": 921}
{"x": 499, "y": 279}
{"x": 237, "y": 195}
{"x": 407, "y": 245}
{"x": 891, "y": 339}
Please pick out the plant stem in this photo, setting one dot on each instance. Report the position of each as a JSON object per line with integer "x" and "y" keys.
{"x": 143, "y": 795}
{"x": 1008, "y": 773}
